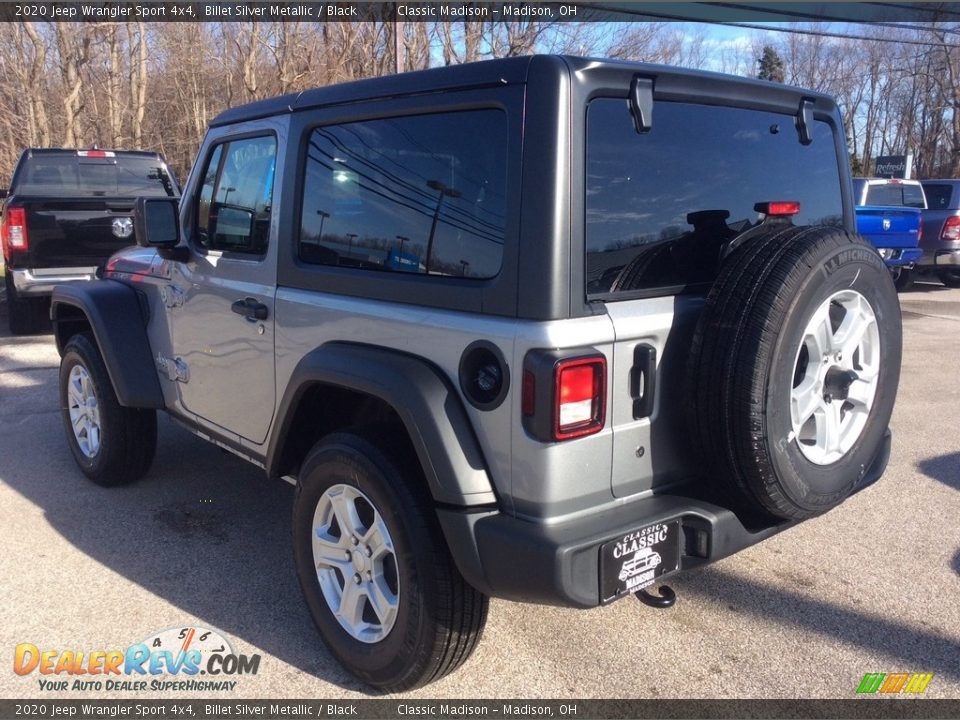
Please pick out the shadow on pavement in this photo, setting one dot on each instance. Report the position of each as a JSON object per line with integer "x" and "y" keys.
{"x": 914, "y": 647}
{"x": 943, "y": 468}
{"x": 204, "y": 530}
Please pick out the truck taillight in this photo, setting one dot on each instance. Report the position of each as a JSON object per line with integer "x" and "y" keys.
{"x": 920, "y": 230}
{"x": 581, "y": 388}
{"x": 13, "y": 232}
{"x": 951, "y": 229}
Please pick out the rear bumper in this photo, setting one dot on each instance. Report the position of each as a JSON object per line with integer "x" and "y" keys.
{"x": 41, "y": 281}
{"x": 559, "y": 564}
{"x": 903, "y": 257}
{"x": 941, "y": 257}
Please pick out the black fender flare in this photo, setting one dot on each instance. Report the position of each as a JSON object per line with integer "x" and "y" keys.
{"x": 422, "y": 397}
{"x": 119, "y": 325}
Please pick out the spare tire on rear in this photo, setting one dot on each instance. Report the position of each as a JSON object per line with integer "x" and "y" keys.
{"x": 794, "y": 369}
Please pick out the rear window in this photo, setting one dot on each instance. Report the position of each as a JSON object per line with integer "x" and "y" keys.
{"x": 895, "y": 195}
{"x": 74, "y": 176}
{"x": 938, "y": 195}
{"x": 661, "y": 206}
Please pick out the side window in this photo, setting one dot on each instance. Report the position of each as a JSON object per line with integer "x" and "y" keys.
{"x": 233, "y": 209}
{"x": 420, "y": 194}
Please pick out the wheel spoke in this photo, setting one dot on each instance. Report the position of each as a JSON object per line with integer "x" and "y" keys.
{"x": 804, "y": 401}
{"x": 328, "y": 552}
{"x": 851, "y": 333}
{"x": 860, "y": 394}
{"x": 383, "y": 602}
{"x": 352, "y": 601}
{"x": 79, "y": 421}
{"x": 828, "y": 428}
{"x": 819, "y": 334}
{"x": 345, "y": 511}
{"x": 378, "y": 539}
{"x": 93, "y": 436}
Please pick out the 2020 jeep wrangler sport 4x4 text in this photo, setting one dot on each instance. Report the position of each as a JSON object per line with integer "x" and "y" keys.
{"x": 546, "y": 329}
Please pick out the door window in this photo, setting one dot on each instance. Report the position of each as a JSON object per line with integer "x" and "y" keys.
{"x": 236, "y": 196}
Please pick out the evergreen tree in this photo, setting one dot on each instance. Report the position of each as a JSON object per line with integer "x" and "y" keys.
{"x": 771, "y": 65}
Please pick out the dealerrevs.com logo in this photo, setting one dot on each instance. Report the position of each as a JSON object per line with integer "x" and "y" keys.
{"x": 184, "y": 659}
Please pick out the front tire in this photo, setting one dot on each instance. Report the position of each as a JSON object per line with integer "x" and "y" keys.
{"x": 112, "y": 444}
{"x": 375, "y": 571}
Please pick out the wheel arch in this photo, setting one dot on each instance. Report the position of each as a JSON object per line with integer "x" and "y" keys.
{"x": 112, "y": 312}
{"x": 410, "y": 388}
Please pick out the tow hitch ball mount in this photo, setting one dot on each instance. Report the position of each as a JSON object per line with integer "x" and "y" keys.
{"x": 664, "y": 600}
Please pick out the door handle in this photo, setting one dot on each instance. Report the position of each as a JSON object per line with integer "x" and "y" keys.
{"x": 643, "y": 380}
{"x": 250, "y": 308}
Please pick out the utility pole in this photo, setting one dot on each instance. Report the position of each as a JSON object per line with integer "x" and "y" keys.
{"x": 443, "y": 191}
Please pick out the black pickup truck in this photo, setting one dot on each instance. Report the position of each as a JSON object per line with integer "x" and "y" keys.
{"x": 65, "y": 213}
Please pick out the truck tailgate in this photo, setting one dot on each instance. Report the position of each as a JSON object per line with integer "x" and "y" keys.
{"x": 889, "y": 227}
{"x": 75, "y": 232}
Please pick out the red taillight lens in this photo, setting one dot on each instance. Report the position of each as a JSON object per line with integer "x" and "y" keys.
{"x": 780, "y": 208}
{"x": 920, "y": 230}
{"x": 581, "y": 389}
{"x": 951, "y": 229}
{"x": 14, "y": 231}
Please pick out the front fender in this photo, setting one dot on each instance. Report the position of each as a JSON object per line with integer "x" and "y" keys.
{"x": 113, "y": 312}
{"x": 422, "y": 397}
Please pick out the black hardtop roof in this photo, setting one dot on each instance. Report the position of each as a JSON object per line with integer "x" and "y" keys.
{"x": 506, "y": 71}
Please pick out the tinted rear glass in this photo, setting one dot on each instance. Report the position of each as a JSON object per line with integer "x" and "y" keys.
{"x": 72, "y": 176}
{"x": 424, "y": 194}
{"x": 938, "y": 195}
{"x": 895, "y": 196}
{"x": 662, "y": 205}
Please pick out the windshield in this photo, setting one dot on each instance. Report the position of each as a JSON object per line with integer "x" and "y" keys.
{"x": 73, "y": 176}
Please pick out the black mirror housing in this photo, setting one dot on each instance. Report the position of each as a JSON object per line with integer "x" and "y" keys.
{"x": 156, "y": 222}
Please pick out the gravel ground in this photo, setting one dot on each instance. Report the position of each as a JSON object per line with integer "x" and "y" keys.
{"x": 203, "y": 541}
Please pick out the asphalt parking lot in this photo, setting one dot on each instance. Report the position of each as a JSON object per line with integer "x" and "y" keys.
{"x": 873, "y": 586}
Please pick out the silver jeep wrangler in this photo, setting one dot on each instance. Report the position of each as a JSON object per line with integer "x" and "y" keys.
{"x": 506, "y": 326}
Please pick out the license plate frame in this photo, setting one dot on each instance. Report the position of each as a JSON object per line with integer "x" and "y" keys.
{"x": 637, "y": 559}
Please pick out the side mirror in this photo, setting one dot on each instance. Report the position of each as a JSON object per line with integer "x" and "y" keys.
{"x": 4, "y": 192}
{"x": 156, "y": 222}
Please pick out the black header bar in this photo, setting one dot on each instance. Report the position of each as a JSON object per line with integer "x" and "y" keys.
{"x": 294, "y": 11}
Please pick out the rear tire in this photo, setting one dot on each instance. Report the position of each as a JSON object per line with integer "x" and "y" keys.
{"x": 112, "y": 444}
{"x": 950, "y": 278}
{"x": 414, "y": 618}
{"x": 790, "y": 405}
{"x": 903, "y": 278}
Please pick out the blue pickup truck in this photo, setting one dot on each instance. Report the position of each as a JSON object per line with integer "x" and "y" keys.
{"x": 889, "y": 216}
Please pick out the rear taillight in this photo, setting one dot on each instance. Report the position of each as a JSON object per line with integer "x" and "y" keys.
{"x": 920, "y": 230}
{"x": 951, "y": 229}
{"x": 580, "y": 385}
{"x": 13, "y": 232}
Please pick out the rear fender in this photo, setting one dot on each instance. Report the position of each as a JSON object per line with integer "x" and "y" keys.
{"x": 424, "y": 400}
